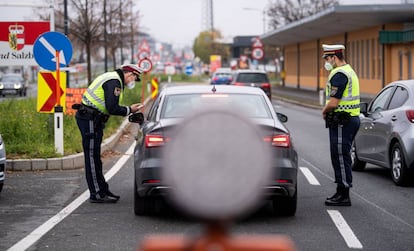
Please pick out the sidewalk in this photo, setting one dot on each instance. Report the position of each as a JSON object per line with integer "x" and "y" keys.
{"x": 309, "y": 98}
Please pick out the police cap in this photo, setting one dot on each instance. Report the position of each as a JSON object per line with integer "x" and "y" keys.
{"x": 332, "y": 49}
{"x": 132, "y": 68}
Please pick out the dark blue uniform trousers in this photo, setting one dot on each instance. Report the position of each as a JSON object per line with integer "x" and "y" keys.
{"x": 341, "y": 137}
{"x": 92, "y": 133}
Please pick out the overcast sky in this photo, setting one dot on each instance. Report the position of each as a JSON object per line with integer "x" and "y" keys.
{"x": 180, "y": 21}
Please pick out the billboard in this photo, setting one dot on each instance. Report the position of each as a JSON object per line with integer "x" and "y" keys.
{"x": 16, "y": 41}
{"x": 215, "y": 62}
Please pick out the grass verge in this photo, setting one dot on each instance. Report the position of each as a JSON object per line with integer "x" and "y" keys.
{"x": 30, "y": 134}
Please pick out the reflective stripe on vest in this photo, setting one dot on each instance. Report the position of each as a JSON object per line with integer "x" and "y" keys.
{"x": 95, "y": 96}
{"x": 350, "y": 101}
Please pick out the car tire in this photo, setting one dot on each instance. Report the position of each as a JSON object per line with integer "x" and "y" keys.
{"x": 399, "y": 172}
{"x": 142, "y": 205}
{"x": 1, "y": 187}
{"x": 357, "y": 165}
{"x": 285, "y": 206}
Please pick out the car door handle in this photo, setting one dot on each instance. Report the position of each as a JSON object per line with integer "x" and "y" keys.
{"x": 394, "y": 118}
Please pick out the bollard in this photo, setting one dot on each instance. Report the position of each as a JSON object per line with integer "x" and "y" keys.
{"x": 322, "y": 97}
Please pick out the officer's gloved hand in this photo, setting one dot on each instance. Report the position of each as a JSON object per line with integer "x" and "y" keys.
{"x": 136, "y": 107}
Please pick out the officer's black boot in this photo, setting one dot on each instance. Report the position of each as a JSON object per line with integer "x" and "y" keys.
{"x": 336, "y": 194}
{"x": 341, "y": 200}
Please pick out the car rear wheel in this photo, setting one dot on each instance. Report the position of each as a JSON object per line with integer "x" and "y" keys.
{"x": 143, "y": 205}
{"x": 285, "y": 206}
{"x": 357, "y": 165}
{"x": 399, "y": 171}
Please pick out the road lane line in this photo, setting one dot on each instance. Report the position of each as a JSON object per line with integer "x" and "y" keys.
{"x": 309, "y": 176}
{"x": 363, "y": 198}
{"x": 343, "y": 227}
{"x": 40, "y": 231}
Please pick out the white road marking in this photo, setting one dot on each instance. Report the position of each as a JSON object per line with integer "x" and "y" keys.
{"x": 309, "y": 176}
{"x": 346, "y": 232}
{"x": 363, "y": 198}
{"x": 40, "y": 231}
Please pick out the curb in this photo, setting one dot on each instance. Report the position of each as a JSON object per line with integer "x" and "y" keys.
{"x": 74, "y": 161}
{"x": 296, "y": 102}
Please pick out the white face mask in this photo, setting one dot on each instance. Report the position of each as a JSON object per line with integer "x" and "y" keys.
{"x": 328, "y": 66}
{"x": 131, "y": 85}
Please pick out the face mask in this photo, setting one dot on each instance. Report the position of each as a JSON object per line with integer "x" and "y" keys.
{"x": 328, "y": 66}
{"x": 131, "y": 85}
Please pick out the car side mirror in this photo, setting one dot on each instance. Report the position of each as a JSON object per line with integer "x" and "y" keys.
{"x": 363, "y": 107}
{"x": 136, "y": 118}
{"x": 282, "y": 117}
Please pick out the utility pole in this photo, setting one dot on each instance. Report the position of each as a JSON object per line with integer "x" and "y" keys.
{"x": 105, "y": 39}
{"x": 208, "y": 20}
{"x": 66, "y": 30}
{"x": 121, "y": 32}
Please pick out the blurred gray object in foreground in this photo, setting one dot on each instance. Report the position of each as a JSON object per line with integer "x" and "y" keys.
{"x": 217, "y": 164}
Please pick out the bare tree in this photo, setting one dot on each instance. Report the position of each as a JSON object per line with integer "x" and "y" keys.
{"x": 86, "y": 27}
{"x": 282, "y": 12}
{"x": 122, "y": 28}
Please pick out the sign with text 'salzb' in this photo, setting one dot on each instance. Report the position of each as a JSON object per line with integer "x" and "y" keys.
{"x": 16, "y": 42}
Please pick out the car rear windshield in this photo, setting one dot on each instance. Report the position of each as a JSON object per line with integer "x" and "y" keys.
{"x": 177, "y": 106}
{"x": 252, "y": 78}
{"x": 223, "y": 75}
{"x": 11, "y": 78}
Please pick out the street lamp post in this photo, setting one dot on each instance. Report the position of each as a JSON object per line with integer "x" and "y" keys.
{"x": 263, "y": 15}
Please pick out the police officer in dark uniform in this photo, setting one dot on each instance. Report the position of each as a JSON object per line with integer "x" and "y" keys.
{"x": 101, "y": 99}
{"x": 341, "y": 114}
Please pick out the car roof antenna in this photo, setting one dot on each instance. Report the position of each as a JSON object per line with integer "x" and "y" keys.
{"x": 214, "y": 89}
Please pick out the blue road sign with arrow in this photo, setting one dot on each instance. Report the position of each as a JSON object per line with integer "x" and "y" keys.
{"x": 46, "y": 46}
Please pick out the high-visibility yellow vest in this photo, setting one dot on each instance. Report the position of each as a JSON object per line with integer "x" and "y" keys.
{"x": 350, "y": 101}
{"x": 94, "y": 96}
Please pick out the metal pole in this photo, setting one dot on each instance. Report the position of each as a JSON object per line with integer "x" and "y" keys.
{"x": 52, "y": 18}
{"x": 58, "y": 114}
{"x": 105, "y": 39}
{"x": 66, "y": 29}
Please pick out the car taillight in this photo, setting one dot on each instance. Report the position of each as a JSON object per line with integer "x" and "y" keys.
{"x": 410, "y": 115}
{"x": 238, "y": 83}
{"x": 215, "y": 78}
{"x": 265, "y": 85}
{"x": 279, "y": 140}
{"x": 154, "y": 140}
{"x": 151, "y": 181}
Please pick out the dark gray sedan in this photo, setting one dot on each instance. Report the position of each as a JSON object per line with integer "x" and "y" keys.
{"x": 169, "y": 109}
{"x": 13, "y": 83}
{"x": 386, "y": 133}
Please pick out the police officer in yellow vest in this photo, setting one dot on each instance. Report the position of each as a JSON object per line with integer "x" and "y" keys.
{"x": 101, "y": 99}
{"x": 341, "y": 114}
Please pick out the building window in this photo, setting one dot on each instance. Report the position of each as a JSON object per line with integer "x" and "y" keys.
{"x": 361, "y": 52}
{"x": 357, "y": 57}
{"x": 379, "y": 59}
{"x": 368, "y": 60}
{"x": 410, "y": 65}
{"x": 400, "y": 65}
{"x": 373, "y": 59}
